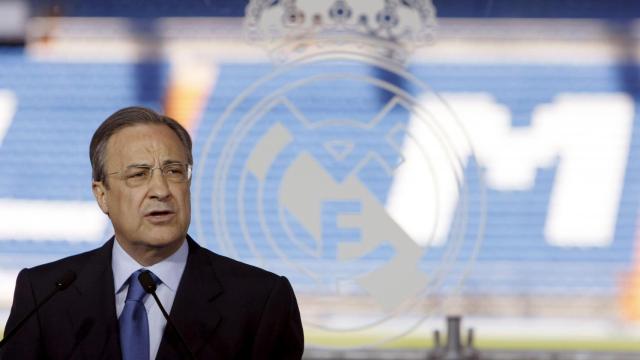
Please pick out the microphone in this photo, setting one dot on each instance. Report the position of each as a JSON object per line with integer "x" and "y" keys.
{"x": 149, "y": 285}
{"x": 63, "y": 282}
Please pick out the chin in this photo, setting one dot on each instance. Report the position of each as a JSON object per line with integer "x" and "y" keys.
{"x": 164, "y": 238}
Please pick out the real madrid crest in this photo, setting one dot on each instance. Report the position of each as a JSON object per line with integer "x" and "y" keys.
{"x": 331, "y": 170}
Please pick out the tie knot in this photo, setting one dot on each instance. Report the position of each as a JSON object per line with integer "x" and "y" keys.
{"x": 136, "y": 291}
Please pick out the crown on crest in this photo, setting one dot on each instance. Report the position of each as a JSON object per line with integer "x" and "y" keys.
{"x": 292, "y": 28}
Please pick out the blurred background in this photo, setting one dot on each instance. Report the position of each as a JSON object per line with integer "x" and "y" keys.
{"x": 472, "y": 158}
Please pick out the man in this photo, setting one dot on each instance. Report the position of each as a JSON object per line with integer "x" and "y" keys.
{"x": 222, "y": 309}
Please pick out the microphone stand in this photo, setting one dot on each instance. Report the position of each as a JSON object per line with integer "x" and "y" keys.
{"x": 149, "y": 285}
{"x": 62, "y": 283}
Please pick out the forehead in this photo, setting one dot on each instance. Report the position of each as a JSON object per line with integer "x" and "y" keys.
{"x": 144, "y": 143}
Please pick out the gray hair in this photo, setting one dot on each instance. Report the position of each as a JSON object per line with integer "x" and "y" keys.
{"x": 126, "y": 117}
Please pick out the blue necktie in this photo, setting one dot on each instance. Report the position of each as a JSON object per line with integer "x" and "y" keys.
{"x": 134, "y": 326}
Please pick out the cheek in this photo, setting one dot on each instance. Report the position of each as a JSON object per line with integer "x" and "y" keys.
{"x": 127, "y": 205}
{"x": 180, "y": 193}
{"x": 185, "y": 203}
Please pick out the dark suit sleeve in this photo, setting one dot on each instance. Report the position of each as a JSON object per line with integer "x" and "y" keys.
{"x": 280, "y": 334}
{"x": 26, "y": 343}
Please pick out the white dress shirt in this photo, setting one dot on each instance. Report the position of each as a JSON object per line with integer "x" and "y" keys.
{"x": 169, "y": 271}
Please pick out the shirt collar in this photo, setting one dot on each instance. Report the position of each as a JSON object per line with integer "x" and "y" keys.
{"x": 169, "y": 270}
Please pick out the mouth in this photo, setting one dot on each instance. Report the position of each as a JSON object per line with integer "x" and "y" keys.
{"x": 159, "y": 216}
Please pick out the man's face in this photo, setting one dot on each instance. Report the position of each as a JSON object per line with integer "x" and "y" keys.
{"x": 154, "y": 215}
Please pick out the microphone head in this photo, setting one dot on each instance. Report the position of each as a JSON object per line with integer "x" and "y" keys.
{"x": 147, "y": 282}
{"x": 65, "y": 280}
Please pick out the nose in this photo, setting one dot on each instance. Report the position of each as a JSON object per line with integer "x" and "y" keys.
{"x": 158, "y": 186}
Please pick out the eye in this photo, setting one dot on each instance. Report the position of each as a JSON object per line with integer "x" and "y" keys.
{"x": 174, "y": 170}
{"x": 137, "y": 173}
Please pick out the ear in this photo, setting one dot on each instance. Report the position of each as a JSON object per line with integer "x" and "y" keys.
{"x": 100, "y": 193}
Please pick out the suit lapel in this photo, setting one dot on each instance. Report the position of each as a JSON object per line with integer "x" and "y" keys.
{"x": 193, "y": 311}
{"x": 92, "y": 308}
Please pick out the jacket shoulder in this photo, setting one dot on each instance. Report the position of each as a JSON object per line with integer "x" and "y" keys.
{"x": 226, "y": 266}
{"x": 48, "y": 273}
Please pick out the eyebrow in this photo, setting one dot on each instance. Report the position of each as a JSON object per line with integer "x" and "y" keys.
{"x": 166, "y": 162}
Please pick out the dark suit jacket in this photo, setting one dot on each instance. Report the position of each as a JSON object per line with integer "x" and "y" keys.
{"x": 224, "y": 309}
